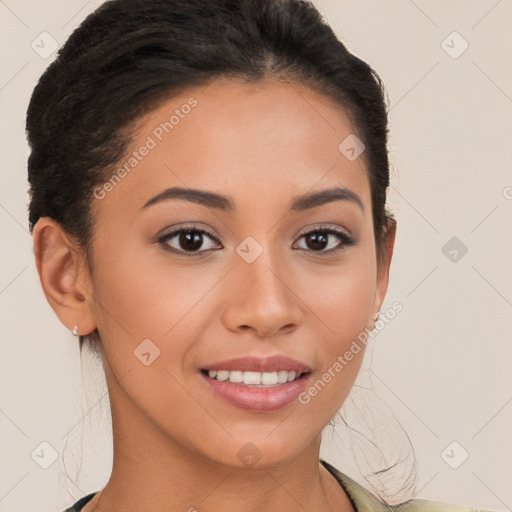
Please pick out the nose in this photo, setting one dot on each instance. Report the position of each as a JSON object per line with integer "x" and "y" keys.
{"x": 262, "y": 299}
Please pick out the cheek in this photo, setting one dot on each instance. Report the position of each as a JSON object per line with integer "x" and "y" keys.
{"x": 342, "y": 298}
{"x": 131, "y": 292}
{"x": 139, "y": 299}
{"x": 344, "y": 306}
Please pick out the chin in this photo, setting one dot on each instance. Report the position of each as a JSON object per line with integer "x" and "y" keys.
{"x": 259, "y": 451}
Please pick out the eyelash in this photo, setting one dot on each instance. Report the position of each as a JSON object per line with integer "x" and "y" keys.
{"x": 345, "y": 239}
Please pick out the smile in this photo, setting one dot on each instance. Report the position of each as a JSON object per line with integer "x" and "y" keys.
{"x": 255, "y": 379}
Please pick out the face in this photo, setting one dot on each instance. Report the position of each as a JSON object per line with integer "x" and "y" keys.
{"x": 284, "y": 283}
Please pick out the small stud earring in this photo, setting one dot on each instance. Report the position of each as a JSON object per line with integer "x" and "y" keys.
{"x": 75, "y": 331}
{"x": 376, "y": 317}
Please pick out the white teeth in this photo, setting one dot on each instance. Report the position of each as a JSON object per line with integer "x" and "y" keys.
{"x": 282, "y": 376}
{"x": 236, "y": 376}
{"x": 269, "y": 379}
{"x": 251, "y": 377}
{"x": 260, "y": 379}
{"x": 222, "y": 375}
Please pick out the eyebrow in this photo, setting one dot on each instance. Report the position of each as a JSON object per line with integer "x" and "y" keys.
{"x": 225, "y": 203}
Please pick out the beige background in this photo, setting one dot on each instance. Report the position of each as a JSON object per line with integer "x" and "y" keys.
{"x": 443, "y": 364}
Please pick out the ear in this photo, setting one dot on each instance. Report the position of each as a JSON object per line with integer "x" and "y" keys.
{"x": 64, "y": 275}
{"x": 384, "y": 265}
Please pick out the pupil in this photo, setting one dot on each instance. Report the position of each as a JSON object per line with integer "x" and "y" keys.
{"x": 319, "y": 240}
{"x": 191, "y": 240}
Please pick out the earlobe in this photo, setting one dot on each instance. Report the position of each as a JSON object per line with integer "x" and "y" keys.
{"x": 63, "y": 276}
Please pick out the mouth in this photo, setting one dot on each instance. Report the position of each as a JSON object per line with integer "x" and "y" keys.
{"x": 255, "y": 379}
{"x": 257, "y": 384}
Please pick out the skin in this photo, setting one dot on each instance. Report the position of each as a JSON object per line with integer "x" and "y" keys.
{"x": 175, "y": 442}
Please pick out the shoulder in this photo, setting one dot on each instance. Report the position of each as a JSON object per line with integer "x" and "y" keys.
{"x": 364, "y": 500}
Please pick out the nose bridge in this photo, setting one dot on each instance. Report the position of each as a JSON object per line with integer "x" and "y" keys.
{"x": 261, "y": 296}
{"x": 263, "y": 276}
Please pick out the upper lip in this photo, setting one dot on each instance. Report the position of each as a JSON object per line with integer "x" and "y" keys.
{"x": 260, "y": 364}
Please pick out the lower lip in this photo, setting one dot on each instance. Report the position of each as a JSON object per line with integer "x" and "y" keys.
{"x": 258, "y": 399}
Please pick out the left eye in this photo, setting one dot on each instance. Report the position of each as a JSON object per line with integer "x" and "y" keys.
{"x": 319, "y": 239}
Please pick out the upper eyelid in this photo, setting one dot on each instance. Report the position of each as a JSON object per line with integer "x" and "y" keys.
{"x": 324, "y": 227}
{"x": 174, "y": 232}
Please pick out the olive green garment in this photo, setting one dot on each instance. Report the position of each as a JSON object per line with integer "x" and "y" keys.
{"x": 362, "y": 500}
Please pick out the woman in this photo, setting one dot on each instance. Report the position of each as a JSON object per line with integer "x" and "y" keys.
{"x": 208, "y": 206}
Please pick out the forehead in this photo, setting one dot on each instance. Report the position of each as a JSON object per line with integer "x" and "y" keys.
{"x": 265, "y": 139}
